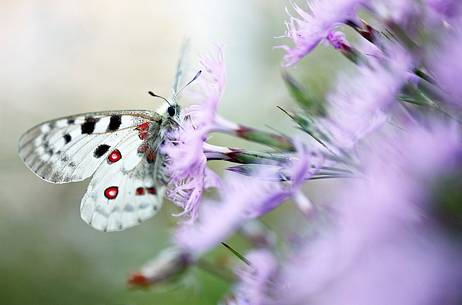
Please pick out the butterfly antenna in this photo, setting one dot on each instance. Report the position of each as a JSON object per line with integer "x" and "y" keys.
{"x": 158, "y": 96}
{"x": 189, "y": 83}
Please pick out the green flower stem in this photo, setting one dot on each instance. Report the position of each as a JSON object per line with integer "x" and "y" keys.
{"x": 276, "y": 141}
{"x": 302, "y": 96}
{"x": 400, "y": 34}
{"x": 241, "y": 156}
{"x": 249, "y": 169}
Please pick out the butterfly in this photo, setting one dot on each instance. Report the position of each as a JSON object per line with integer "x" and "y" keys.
{"x": 120, "y": 149}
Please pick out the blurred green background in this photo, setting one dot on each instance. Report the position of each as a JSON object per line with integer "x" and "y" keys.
{"x": 66, "y": 57}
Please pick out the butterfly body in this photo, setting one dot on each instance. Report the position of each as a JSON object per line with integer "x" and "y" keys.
{"x": 120, "y": 149}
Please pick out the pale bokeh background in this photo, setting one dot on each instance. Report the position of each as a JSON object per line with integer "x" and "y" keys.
{"x": 65, "y": 57}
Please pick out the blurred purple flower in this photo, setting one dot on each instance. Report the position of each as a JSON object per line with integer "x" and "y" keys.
{"x": 445, "y": 8}
{"x": 397, "y": 11}
{"x": 311, "y": 27}
{"x": 337, "y": 40}
{"x": 360, "y": 104}
{"x": 187, "y": 167}
{"x": 211, "y": 86}
{"x": 380, "y": 247}
{"x": 243, "y": 198}
{"x": 217, "y": 220}
{"x": 447, "y": 66}
{"x": 254, "y": 278}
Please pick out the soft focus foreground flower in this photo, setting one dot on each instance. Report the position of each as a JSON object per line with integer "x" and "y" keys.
{"x": 447, "y": 66}
{"x": 218, "y": 220}
{"x": 389, "y": 237}
{"x": 382, "y": 247}
{"x": 310, "y": 27}
{"x": 187, "y": 167}
{"x": 397, "y": 11}
{"x": 338, "y": 40}
{"x": 167, "y": 266}
{"x": 242, "y": 198}
{"x": 446, "y": 8}
{"x": 360, "y": 104}
{"x": 254, "y": 278}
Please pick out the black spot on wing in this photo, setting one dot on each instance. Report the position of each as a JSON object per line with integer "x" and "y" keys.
{"x": 89, "y": 125}
{"x": 101, "y": 150}
{"x": 70, "y": 121}
{"x": 114, "y": 122}
{"x": 67, "y": 138}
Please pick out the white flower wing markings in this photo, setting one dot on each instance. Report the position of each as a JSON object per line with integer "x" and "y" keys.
{"x": 62, "y": 150}
{"x": 122, "y": 193}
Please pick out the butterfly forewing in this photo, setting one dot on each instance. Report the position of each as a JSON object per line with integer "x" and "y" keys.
{"x": 69, "y": 149}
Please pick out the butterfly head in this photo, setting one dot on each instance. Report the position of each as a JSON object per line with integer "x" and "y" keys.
{"x": 173, "y": 111}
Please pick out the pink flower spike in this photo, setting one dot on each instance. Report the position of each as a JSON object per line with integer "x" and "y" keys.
{"x": 255, "y": 279}
{"x": 360, "y": 104}
{"x": 337, "y": 40}
{"x": 243, "y": 198}
{"x": 380, "y": 229}
{"x": 187, "y": 169}
{"x": 447, "y": 66}
{"x": 309, "y": 28}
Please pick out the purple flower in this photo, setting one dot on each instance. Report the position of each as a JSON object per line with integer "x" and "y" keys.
{"x": 187, "y": 167}
{"x": 243, "y": 198}
{"x": 398, "y": 11}
{"x": 310, "y": 27}
{"x": 302, "y": 167}
{"x": 447, "y": 66}
{"x": 211, "y": 86}
{"x": 215, "y": 223}
{"x": 361, "y": 103}
{"x": 380, "y": 247}
{"x": 445, "y": 8}
{"x": 337, "y": 40}
{"x": 254, "y": 278}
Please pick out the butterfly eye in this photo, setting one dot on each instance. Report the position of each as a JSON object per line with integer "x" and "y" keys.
{"x": 171, "y": 111}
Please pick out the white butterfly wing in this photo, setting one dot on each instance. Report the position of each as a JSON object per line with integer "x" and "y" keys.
{"x": 122, "y": 194}
{"x": 66, "y": 149}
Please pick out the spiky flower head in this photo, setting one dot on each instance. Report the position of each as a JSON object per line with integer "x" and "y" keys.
{"x": 187, "y": 168}
{"x": 310, "y": 27}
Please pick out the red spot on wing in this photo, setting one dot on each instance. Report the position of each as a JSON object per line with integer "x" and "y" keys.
{"x": 138, "y": 279}
{"x": 111, "y": 192}
{"x": 114, "y": 156}
{"x": 143, "y": 130}
{"x": 139, "y": 191}
{"x": 151, "y": 190}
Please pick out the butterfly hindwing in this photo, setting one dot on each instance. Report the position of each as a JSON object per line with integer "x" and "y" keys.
{"x": 70, "y": 149}
{"x": 123, "y": 193}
